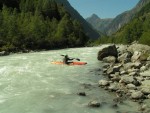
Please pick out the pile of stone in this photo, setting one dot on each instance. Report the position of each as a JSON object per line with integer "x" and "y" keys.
{"x": 126, "y": 70}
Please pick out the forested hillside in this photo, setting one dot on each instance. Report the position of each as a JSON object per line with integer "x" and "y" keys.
{"x": 138, "y": 29}
{"x": 124, "y": 18}
{"x": 88, "y": 30}
{"x": 36, "y": 25}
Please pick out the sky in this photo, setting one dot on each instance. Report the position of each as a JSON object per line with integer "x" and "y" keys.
{"x": 103, "y": 8}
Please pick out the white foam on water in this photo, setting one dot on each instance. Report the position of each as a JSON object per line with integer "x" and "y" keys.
{"x": 29, "y": 83}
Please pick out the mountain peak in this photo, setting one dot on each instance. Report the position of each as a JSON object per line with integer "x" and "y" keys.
{"x": 94, "y": 16}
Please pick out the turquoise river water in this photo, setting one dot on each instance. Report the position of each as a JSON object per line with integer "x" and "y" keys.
{"x": 29, "y": 83}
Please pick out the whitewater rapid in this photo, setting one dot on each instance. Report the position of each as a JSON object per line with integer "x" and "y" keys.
{"x": 29, "y": 83}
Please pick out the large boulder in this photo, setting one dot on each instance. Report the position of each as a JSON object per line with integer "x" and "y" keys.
{"x": 107, "y": 51}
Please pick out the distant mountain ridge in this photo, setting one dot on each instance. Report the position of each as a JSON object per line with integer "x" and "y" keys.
{"x": 87, "y": 27}
{"x": 110, "y": 26}
{"x": 98, "y": 23}
{"x": 125, "y": 17}
{"x": 137, "y": 29}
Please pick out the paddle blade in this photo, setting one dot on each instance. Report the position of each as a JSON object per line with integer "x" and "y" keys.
{"x": 78, "y": 59}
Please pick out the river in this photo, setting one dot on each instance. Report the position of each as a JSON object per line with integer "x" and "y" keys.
{"x": 29, "y": 83}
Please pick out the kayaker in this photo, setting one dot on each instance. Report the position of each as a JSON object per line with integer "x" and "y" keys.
{"x": 66, "y": 59}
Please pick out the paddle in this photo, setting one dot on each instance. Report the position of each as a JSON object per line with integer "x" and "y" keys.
{"x": 73, "y": 58}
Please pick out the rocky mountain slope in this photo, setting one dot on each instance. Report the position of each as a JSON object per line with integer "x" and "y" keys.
{"x": 98, "y": 23}
{"x": 110, "y": 26}
{"x": 125, "y": 17}
{"x": 138, "y": 29}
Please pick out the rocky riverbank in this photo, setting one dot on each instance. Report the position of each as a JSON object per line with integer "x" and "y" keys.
{"x": 126, "y": 69}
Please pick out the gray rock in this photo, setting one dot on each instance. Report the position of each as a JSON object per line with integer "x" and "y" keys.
{"x": 137, "y": 95}
{"x": 116, "y": 79}
{"x": 110, "y": 71}
{"x": 133, "y": 70}
{"x": 113, "y": 87}
{"x": 136, "y": 56}
{"x": 125, "y": 58}
{"x": 94, "y": 104}
{"x": 109, "y": 59}
{"x": 128, "y": 66}
{"x": 114, "y": 69}
{"x": 123, "y": 72}
{"x": 126, "y": 79}
{"x": 103, "y": 82}
{"x": 143, "y": 68}
{"x": 137, "y": 65}
{"x": 148, "y": 96}
{"x": 131, "y": 86}
{"x": 148, "y": 58}
{"x": 139, "y": 47}
{"x": 140, "y": 78}
{"x": 142, "y": 108}
{"x": 133, "y": 74}
{"x": 146, "y": 90}
{"x": 136, "y": 83}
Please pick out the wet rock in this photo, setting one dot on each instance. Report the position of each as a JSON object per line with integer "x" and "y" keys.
{"x": 114, "y": 69}
{"x": 146, "y": 90}
{"x": 137, "y": 95}
{"x": 128, "y": 66}
{"x": 131, "y": 86}
{"x": 136, "y": 56}
{"x": 133, "y": 70}
{"x": 143, "y": 68}
{"x": 116, "y": 78}
{"x": 103, "y": 82}
{"x": 143, "y": 107}
{"x": 94, "y": 104}
{"x": 109, "y": 59}
{"x": 113, "y": 87}
{"x": 118, "y": 100}
{"x": 133, "y": 74}
{"x": 136, "y": 83}
{"x": 140, "y": 78}
{"x": 125, "y": 58}
{"x": 137, "y": 65}
{"x": 123, "y": 72}
{"x": 107, "y": 51}
{"x": 126, "y": 79}
{"x": 81, "y": 94}
{"x": 110, "y": 71}
{"x": 114, "y": 105}
{"x": 104, "y": 70}
{"x": 148, "y": 96}
{"x": 143, "y": 57}
{"x": 148, "y": 58}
